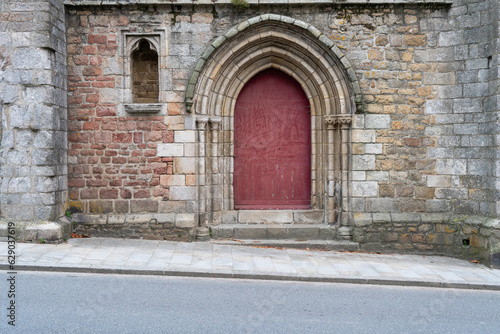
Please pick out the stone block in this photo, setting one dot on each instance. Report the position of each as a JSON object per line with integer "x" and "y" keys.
{"x": 173, "y": 180}
{"x": 451, "y": 166}
{"x": 229, "y": 217}
{"x": 363, "y": 162}
{"x": 364, "y": 189}
{"x": 265, "y": 216}
{"x": 276, "y": 232}
{"x": 172, "y": 206}
{"x": 186, "y": 220}
{"x": 373, "y": 148}
{"x": 363, "y": 136}
{"x": 170, "y": 150}
{"x": 377, "y": 175}
{"x": 303, "y": 232}
{"x": 439, "y": 181}
{"x": 382, "y": 205}
{"x": 377, "y": 121}
{"x": 309, "y": 217}
{"x": 185, "y": 136}
{"x": 184, "y": 165}
{"x": 137, "y": 206}
{"x": 250, "y": 231}
{"x": 182, "y": 193}
{"x": 438, "y": 106}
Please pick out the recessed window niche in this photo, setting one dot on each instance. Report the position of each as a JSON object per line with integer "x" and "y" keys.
{"x": 144, "y": 72}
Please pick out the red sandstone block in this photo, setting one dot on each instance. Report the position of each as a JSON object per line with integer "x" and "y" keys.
{"x": 133, "y": 160}
{"x": 91, "y": 126}
{"x": 93, "y": 160}
{"x": 76, "y": 183}
{"x": 150, "y": 153}
{"x": 108, "y": 126}
{"x": 96, "y": 183}
{"x": 107, "y": 49}
{"x": 99, "y": 84}
{"x": 73, "y": 194}
{"x": 79, "y": 84}
{"x": 146, "y": 126}
{"x": 99, "y": 153}
{"x": 95, "y": 61}
{"x": 105, "y": 79}
{"x": 129, "y": 171}
{"x": 74, "y": 78}
{"x": 106, "y": 111}
{"x": 152, "y": 146}
{"x": 168, "y": 137}
{"x": 102, "y": 137}
{"x": 111, "y": 153}
{"x": 98, "y": 39}
{"x": 125, "y": 194}
{"x": 115, "y": 183}
{"x": 159, "y": 127}
{"x": 98, "y": 20}
{"x": 112, "y": 170}
{"x": 155, "y": 182}
{"x": 141, "y": 146}
{"x": 135, "y": 183}
{"x": 158, "y": 192}
{"x": 105, "y": 160}
{"x": 87, "y": 152}
{"x": 88, "y": 193}
{"x": 97, "y": 146}
{"x": 137, "y": 137}
{"x": 89, "y": 50}
{"x": 125, "y": 126}
{"x": 108, "y": 193}
{"x": 146, "y": 171}
{"x": 154, "y": 159}
{"x": 90, "y": 71}
{"x": 160, "y": 170}
{"x": 144, "y": 193}
{"x": 81, "y": 60}
{"x": 97, "y": 170}
{"x": 75, "y": 99}
{"x": 118, "y": 21}
{"x": 167, "y": 159}
{"x": 111, "y": 38}
{"x": 114, "y": 146}
{"x": 124, "y": 153}
{"x": 110, "y": 84}
{"x": 79, "y": 137}
{"x": 414, "y": 142}
{"x": 152, "y": 136}
{"x": 119, "y": 160}
{"x": 122, "y": 137}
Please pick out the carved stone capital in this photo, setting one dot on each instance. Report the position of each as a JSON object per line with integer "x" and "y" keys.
{"x": 339, "y": 119}
{"x": 201, "y": 122}
{"x": 215, "y": 122}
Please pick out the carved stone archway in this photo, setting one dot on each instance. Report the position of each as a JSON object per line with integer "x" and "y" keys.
{"x": 329, "y": 82}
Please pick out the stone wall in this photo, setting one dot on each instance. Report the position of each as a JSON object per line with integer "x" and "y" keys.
{"x": 424, "y": 158}
{"x": 34, "y": 121}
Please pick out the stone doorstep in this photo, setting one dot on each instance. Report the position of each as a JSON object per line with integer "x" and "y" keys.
{"x": 297, "y": 232}
{"x": 273, "y": 217}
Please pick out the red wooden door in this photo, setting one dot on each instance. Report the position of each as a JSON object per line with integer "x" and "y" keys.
{"x": 272, "y": 138}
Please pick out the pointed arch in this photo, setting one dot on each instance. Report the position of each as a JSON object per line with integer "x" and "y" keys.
{"x": 325, "y": 75}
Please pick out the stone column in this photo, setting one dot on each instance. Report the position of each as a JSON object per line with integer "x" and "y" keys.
{"x": 202, "y": 233}
{"x": 341, "y": 125}
{"x": 33, "y": 153}
{"x": 215, "y": 179}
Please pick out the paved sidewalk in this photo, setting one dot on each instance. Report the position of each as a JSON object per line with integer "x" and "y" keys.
{"x": 213, "y": 259}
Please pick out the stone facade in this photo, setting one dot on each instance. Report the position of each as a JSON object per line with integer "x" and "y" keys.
{"x": 404, "y": 103}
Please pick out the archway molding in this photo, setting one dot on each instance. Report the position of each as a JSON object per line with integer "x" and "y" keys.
{"x": 328, "y": 80}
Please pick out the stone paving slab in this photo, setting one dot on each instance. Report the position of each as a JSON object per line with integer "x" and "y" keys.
{"x": 211, "y": 259}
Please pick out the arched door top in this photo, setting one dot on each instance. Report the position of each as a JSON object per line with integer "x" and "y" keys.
{"x": 292, "y": 46}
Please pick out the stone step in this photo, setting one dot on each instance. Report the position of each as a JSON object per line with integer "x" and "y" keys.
{"x": 297, "y": 232}
{"x": 335, "y": 245}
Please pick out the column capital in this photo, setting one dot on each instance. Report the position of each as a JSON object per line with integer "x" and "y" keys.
{"x": 201, "y": 122}
{"x": 344, "y": 120}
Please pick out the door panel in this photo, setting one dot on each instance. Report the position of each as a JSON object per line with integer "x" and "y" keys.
{"x": 272, "y": 137}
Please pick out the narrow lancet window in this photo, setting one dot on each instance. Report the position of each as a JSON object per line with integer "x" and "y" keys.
{"x": 145, "y": 83}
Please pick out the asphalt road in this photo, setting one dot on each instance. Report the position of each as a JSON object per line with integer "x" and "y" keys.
{"x": 94, "y": 303}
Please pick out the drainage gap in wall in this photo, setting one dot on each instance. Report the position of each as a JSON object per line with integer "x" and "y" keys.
{"x": 490, "y": 60}
{"x": 466, "y": 242}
